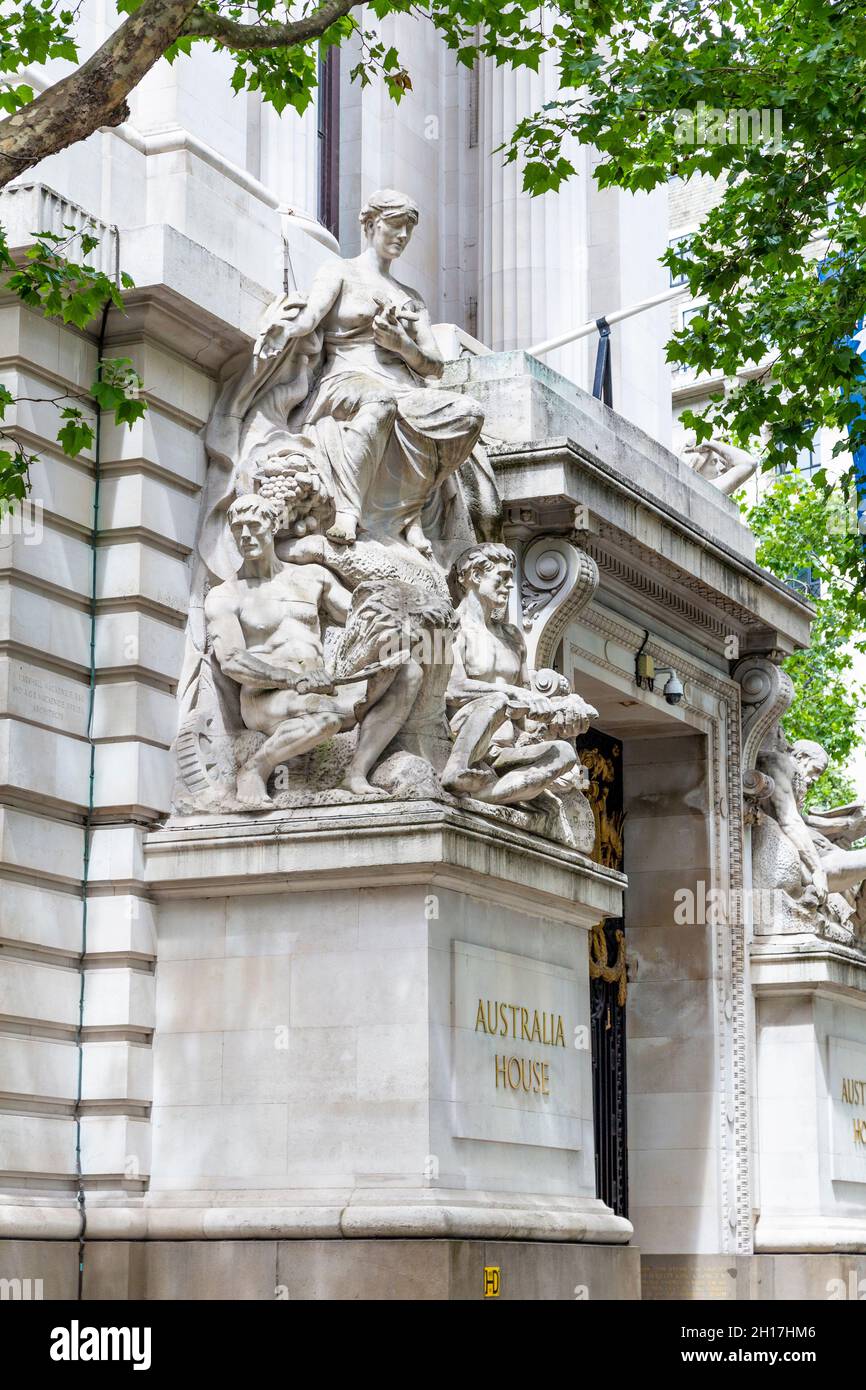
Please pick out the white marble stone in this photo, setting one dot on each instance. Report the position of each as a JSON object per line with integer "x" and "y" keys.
{"x": 119, "y": 998}
{"x": 188, "y": 1069}
{"x": 117, "y": 1071}
{"x": 319, "y": 1026}
{"x": 159, "y": 443}
{"x": 115, "y": 1146}
{"x": 38, "y": 1067}
{"x": 31, "y": 992}
{"x": 216, "y": 995}
{"x": 37, "y": 1145}
{"x": 38, "y": 916}
{"x": 812, "y": 1178}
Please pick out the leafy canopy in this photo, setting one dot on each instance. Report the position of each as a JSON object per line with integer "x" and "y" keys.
{"x": 767, "y": 96}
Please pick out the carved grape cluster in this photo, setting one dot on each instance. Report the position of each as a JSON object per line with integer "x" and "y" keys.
{"x": 291, "y": 483}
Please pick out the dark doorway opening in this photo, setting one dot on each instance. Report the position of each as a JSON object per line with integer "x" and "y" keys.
{"x": 602, "y": 757}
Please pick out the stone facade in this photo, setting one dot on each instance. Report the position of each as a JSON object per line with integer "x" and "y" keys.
{"x": 270, "y": 1001}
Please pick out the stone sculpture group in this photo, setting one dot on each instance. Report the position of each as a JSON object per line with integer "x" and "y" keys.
{"x": 349, "y": 638}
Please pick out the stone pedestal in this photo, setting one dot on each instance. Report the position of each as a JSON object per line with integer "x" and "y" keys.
{"x": 371, "y": 1021}
{"x": 811, "y": 1098}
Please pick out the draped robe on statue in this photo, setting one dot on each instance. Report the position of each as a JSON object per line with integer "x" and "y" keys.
{"x": 432, "y": 435}
{"x": 305, "y": 398}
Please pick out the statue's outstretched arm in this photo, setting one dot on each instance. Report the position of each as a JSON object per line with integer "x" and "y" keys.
{"x": 294, "y": 317}
{"x": 336, "y": 599}
{"x": 839, "y": 822}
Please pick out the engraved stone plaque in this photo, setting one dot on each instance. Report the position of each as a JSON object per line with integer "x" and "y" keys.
{"x": 847, "y": 1110}
{"x": 516, "y": 1070}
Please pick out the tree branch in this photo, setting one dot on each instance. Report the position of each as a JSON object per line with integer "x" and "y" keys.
{"x": 252, "y": 37}
{"x": 95, "y": 94}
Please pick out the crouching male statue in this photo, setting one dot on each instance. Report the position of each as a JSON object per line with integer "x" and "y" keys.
{"x": 510, "y": 744}
{"x": 265, "y": 627}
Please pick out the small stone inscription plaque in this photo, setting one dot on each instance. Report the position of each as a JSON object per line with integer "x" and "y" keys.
{"x": 46, "y": 698}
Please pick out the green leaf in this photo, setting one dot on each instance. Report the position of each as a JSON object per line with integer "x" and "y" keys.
{"x": 76, "y": 434}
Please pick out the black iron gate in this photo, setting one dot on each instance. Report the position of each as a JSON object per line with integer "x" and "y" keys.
{"x": 602, "y": 756}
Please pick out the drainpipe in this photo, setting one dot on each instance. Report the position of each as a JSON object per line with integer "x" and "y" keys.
{"x": 88, "y": 818}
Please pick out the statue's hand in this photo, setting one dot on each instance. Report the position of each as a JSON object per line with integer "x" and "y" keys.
{"x": 315, "y": 681}
{"x": 388, "y": 332}
{"x": 539, "y": 706}
{"x": 527, "y": 702}
{"x": 518, "y": 701}
{"x": 818, "y": 886}
{"x": 279, "y": 325}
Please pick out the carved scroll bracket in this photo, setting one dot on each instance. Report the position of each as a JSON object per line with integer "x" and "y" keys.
{"x": 557, "y": 581}
{"x": 766, "y": 693}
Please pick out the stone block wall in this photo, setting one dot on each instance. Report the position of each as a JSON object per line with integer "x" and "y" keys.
{"x": 51, "y": 959}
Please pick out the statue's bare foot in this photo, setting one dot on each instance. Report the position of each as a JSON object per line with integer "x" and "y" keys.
{"x": 416, "y": 538}
{"x": 469, "y": 781}
{"x": 344, "y": 530}
{"x": 354, "y": 782}
{"x": 252, "y": 791}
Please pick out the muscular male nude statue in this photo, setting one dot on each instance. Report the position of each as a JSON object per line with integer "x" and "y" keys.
{"x": 265, "y": 626}
{"x": 503, "y": 750}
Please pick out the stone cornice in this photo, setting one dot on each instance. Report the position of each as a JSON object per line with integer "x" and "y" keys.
{"x": 811, "y": 966}
{"x": 350, "y": 845}
{"x": 676, "y": 574}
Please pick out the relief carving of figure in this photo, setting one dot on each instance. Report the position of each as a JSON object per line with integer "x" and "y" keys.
{"x": 510, "y": 743}
{"x": 332, "y": 420}
{"x": 342, "y": 480}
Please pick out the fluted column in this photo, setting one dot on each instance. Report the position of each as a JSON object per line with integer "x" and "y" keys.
{"x": 532, "y": 250}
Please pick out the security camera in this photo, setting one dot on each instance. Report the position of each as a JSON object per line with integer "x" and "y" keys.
{"x": 673, "y": 691}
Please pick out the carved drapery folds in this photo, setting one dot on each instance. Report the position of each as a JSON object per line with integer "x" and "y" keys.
{"x": 348, "y": 636}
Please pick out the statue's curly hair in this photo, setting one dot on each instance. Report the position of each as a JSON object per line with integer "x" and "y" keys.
{"x": 387, "y": 202}
{"x": 486, "y": 553}
{"x": 251, "y": 504}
